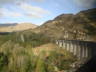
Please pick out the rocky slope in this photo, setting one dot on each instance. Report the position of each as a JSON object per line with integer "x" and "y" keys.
{"x": 16, "y": 27}
{"x": 81, "y": 26}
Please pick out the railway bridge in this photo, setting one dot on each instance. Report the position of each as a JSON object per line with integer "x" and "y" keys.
{"x": 79, "y": 48}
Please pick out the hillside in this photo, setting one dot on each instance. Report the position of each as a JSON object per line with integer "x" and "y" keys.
{"x": 16, "y": 27}
{"x": 24, "y": 39}
{"x": 81, "y": 26}
{"x": 26, "y": 52}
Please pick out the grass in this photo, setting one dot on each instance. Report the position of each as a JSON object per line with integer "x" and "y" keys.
{"x": 23, "y": 60}
{"x": 18, "y": 56}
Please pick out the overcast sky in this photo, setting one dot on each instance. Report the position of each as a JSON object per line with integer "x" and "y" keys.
{"x": 39, "y": 11}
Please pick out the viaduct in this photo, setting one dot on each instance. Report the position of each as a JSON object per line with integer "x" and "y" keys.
{"x": 81, "y": 49}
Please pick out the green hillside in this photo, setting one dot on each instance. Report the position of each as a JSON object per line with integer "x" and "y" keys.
{"x": 24, "y": 39}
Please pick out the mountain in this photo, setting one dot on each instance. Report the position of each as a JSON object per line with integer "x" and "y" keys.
{"x": 16, "y": 27}
{"x": 8, "y": 24}
{"x": 81, "y": 26}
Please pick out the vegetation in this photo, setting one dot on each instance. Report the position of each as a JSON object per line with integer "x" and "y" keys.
{"x": 25, "y": 39}
{"x": 59, "y": 60}
{"x": 20, "y": 59}
{"x": 14, "y": 57}
{"x": 17, "y": 55}
{"x": 3, "y": 61}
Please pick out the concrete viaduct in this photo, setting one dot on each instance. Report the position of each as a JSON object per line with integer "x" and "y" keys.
{"x": 81, "y": 49}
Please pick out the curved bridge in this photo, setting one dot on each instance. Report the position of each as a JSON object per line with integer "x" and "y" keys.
{"x": 81, "y": 49}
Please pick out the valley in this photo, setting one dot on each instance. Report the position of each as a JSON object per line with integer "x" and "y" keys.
{"x": 30, "y": 48}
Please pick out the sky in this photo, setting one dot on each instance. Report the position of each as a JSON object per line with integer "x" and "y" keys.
{"x": 39, "y": 11}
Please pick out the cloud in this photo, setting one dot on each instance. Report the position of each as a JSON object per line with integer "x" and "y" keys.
{"x": 6, "y": 1}
{"x": 7, "y": 13}
{"x": 85, "y": 3}
{"x": 39, "y": 0}
{"x": 26, "y": 9}
{"x": 33, "y": 11}
{"x": 15, "y": 1}
{"x": 32, "y": 15}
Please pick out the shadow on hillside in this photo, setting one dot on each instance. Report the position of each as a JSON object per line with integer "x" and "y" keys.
{"x": 5, "y": 33}
{"x": 90, "y": 66}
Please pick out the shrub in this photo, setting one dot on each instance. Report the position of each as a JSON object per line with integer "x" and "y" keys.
{"x": 59, "y": 60}
{"x": 3, "y": 61}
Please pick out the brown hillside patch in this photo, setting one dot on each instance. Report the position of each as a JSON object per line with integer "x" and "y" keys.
{"x": 45, "y": 48}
